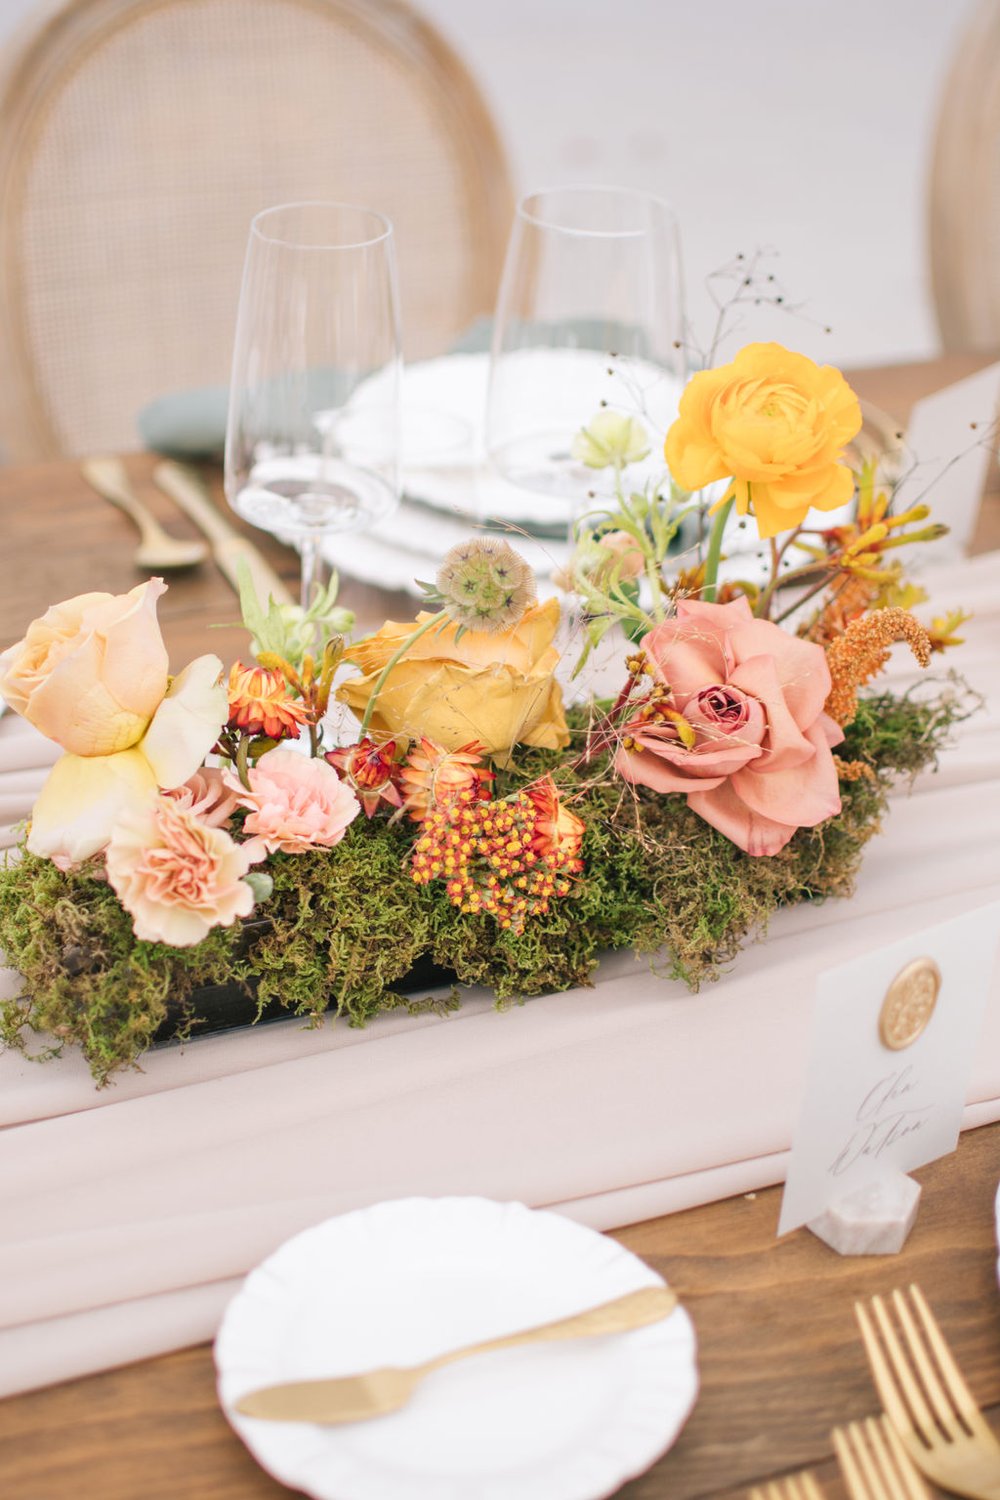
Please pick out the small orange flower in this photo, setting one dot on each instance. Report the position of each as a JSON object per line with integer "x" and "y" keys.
{"x": 260, "y": 703}
{"x": 557, "y": 830}
{"x": 370, "y": 771}
{"x": 435, "y": 777}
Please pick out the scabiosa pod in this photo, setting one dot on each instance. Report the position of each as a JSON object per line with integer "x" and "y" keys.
{"x": 484, "y": 585}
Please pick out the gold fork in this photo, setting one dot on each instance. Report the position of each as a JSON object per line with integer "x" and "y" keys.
{"x": 874, "y": 1462}
{"x": 793, "y": 1487}
{"x": 926, "y": 1399}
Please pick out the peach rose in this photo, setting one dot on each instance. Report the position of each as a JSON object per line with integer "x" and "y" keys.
{"x": 775, "y": 424}
{"x": 176, "y": 876}
{"x": 745, "y": 736}
{"x": 92, "y": 671}
{"x": 91, "y": 674}
{"x": 295, "y": 803}
{"x": 84, "y": 795}
{"x": 497, "y": 689}
{"x": 625, "y": 553}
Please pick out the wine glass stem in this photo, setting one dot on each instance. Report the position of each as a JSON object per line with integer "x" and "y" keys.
{"x": 311, "y": 553}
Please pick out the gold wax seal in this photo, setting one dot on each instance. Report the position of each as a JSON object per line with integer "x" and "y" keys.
{"x": 909, "y": 1003}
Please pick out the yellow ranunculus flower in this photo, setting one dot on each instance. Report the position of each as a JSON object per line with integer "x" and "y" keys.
{"x": 497, "y": 689}
{"x": 775, "y": 424}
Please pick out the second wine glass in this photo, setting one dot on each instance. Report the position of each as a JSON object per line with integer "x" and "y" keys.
{"x": 589, "y": 319}
{"x": 312, "y": 442}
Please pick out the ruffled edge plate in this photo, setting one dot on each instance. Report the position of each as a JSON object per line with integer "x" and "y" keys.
{"x": 402, "y": 1281}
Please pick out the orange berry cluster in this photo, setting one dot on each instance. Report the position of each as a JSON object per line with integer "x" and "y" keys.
{"x": 484, "y": 852}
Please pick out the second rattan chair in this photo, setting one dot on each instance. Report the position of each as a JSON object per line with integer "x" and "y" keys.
{"x": 965, "y": 189}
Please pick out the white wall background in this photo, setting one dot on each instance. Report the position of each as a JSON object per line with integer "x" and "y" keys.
{"x": 799, "y": 124}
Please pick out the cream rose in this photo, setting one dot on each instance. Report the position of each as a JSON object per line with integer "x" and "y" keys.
{"x": 92, "y": 671}
{"x": 91, "y": 674}
{"x": 85, "y": 795}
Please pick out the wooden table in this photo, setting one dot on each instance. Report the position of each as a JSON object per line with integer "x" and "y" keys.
{"x": 780, "y": 1358}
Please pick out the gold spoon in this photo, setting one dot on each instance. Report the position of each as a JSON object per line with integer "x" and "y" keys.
{"x": 157, "y": 552}
{"x": 355, "y": 1398}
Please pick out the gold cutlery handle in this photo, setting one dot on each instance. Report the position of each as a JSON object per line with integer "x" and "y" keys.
{"x": 187, "y": 490}
{"x": 108, "y": 477}
{"x": 635, "y": 1310}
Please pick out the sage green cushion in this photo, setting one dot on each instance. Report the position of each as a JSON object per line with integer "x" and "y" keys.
{"x": 186, "y": 424}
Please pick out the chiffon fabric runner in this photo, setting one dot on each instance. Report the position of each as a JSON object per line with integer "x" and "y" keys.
{"x": 131, "y": 1213}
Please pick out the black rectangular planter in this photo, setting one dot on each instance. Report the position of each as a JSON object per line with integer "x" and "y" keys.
{"x": 226, "y": 1007}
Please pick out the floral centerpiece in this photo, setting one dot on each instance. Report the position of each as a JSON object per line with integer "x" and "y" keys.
{"x": 199, "y": 831}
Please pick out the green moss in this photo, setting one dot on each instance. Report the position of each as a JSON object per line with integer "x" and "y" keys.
{"x": 345, "y": 926}
{"x": 87, "y": 978}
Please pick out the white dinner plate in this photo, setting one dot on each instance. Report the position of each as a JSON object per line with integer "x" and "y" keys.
{"x": 406, "y": 1280}
{"x": 411, "y": 542}
{"x": 444, "y": 459}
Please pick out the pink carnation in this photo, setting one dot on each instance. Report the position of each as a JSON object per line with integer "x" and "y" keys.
{"x": 296, "y": 803}
{"x": 177, "y": 877}
{"x": 760, "y": 765}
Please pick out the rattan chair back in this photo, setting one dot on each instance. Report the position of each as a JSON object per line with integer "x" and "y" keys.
{"x": 139, "y": 137}
{"x": 965, "y": 190}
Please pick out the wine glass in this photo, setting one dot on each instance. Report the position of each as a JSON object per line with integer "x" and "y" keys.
{"x": 589, "y": 318}
{"x": 312, "y": 440}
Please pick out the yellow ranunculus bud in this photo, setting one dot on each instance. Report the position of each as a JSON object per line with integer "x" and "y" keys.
{"x": 775, "y": 424}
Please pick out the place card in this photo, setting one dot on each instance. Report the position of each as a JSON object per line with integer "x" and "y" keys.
{"x": 949, "y": 441}
{"x": 894, "y": 1035}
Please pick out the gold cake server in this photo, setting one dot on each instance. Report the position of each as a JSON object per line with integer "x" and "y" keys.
{"x": 355, "y": 1398}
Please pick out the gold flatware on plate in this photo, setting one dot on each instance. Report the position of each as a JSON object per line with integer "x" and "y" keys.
{"x": 229, "y": 548}
{"x": 157, "y": 552}
{"x": 875, "y": 1464}
{"x": 926, "y": 1398}
{"x": 355, "y": 1398}
{"x": 793, "y": 1487}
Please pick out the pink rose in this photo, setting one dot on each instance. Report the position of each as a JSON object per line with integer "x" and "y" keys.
{"x": 176, "y": 876}
{"x": 296, "y": 803}
{"x": 754, "y": 757}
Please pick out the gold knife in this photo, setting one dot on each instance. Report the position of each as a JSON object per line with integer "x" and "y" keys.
{"x": 229, "y": 548}
{"x": 355, "y": 1398}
